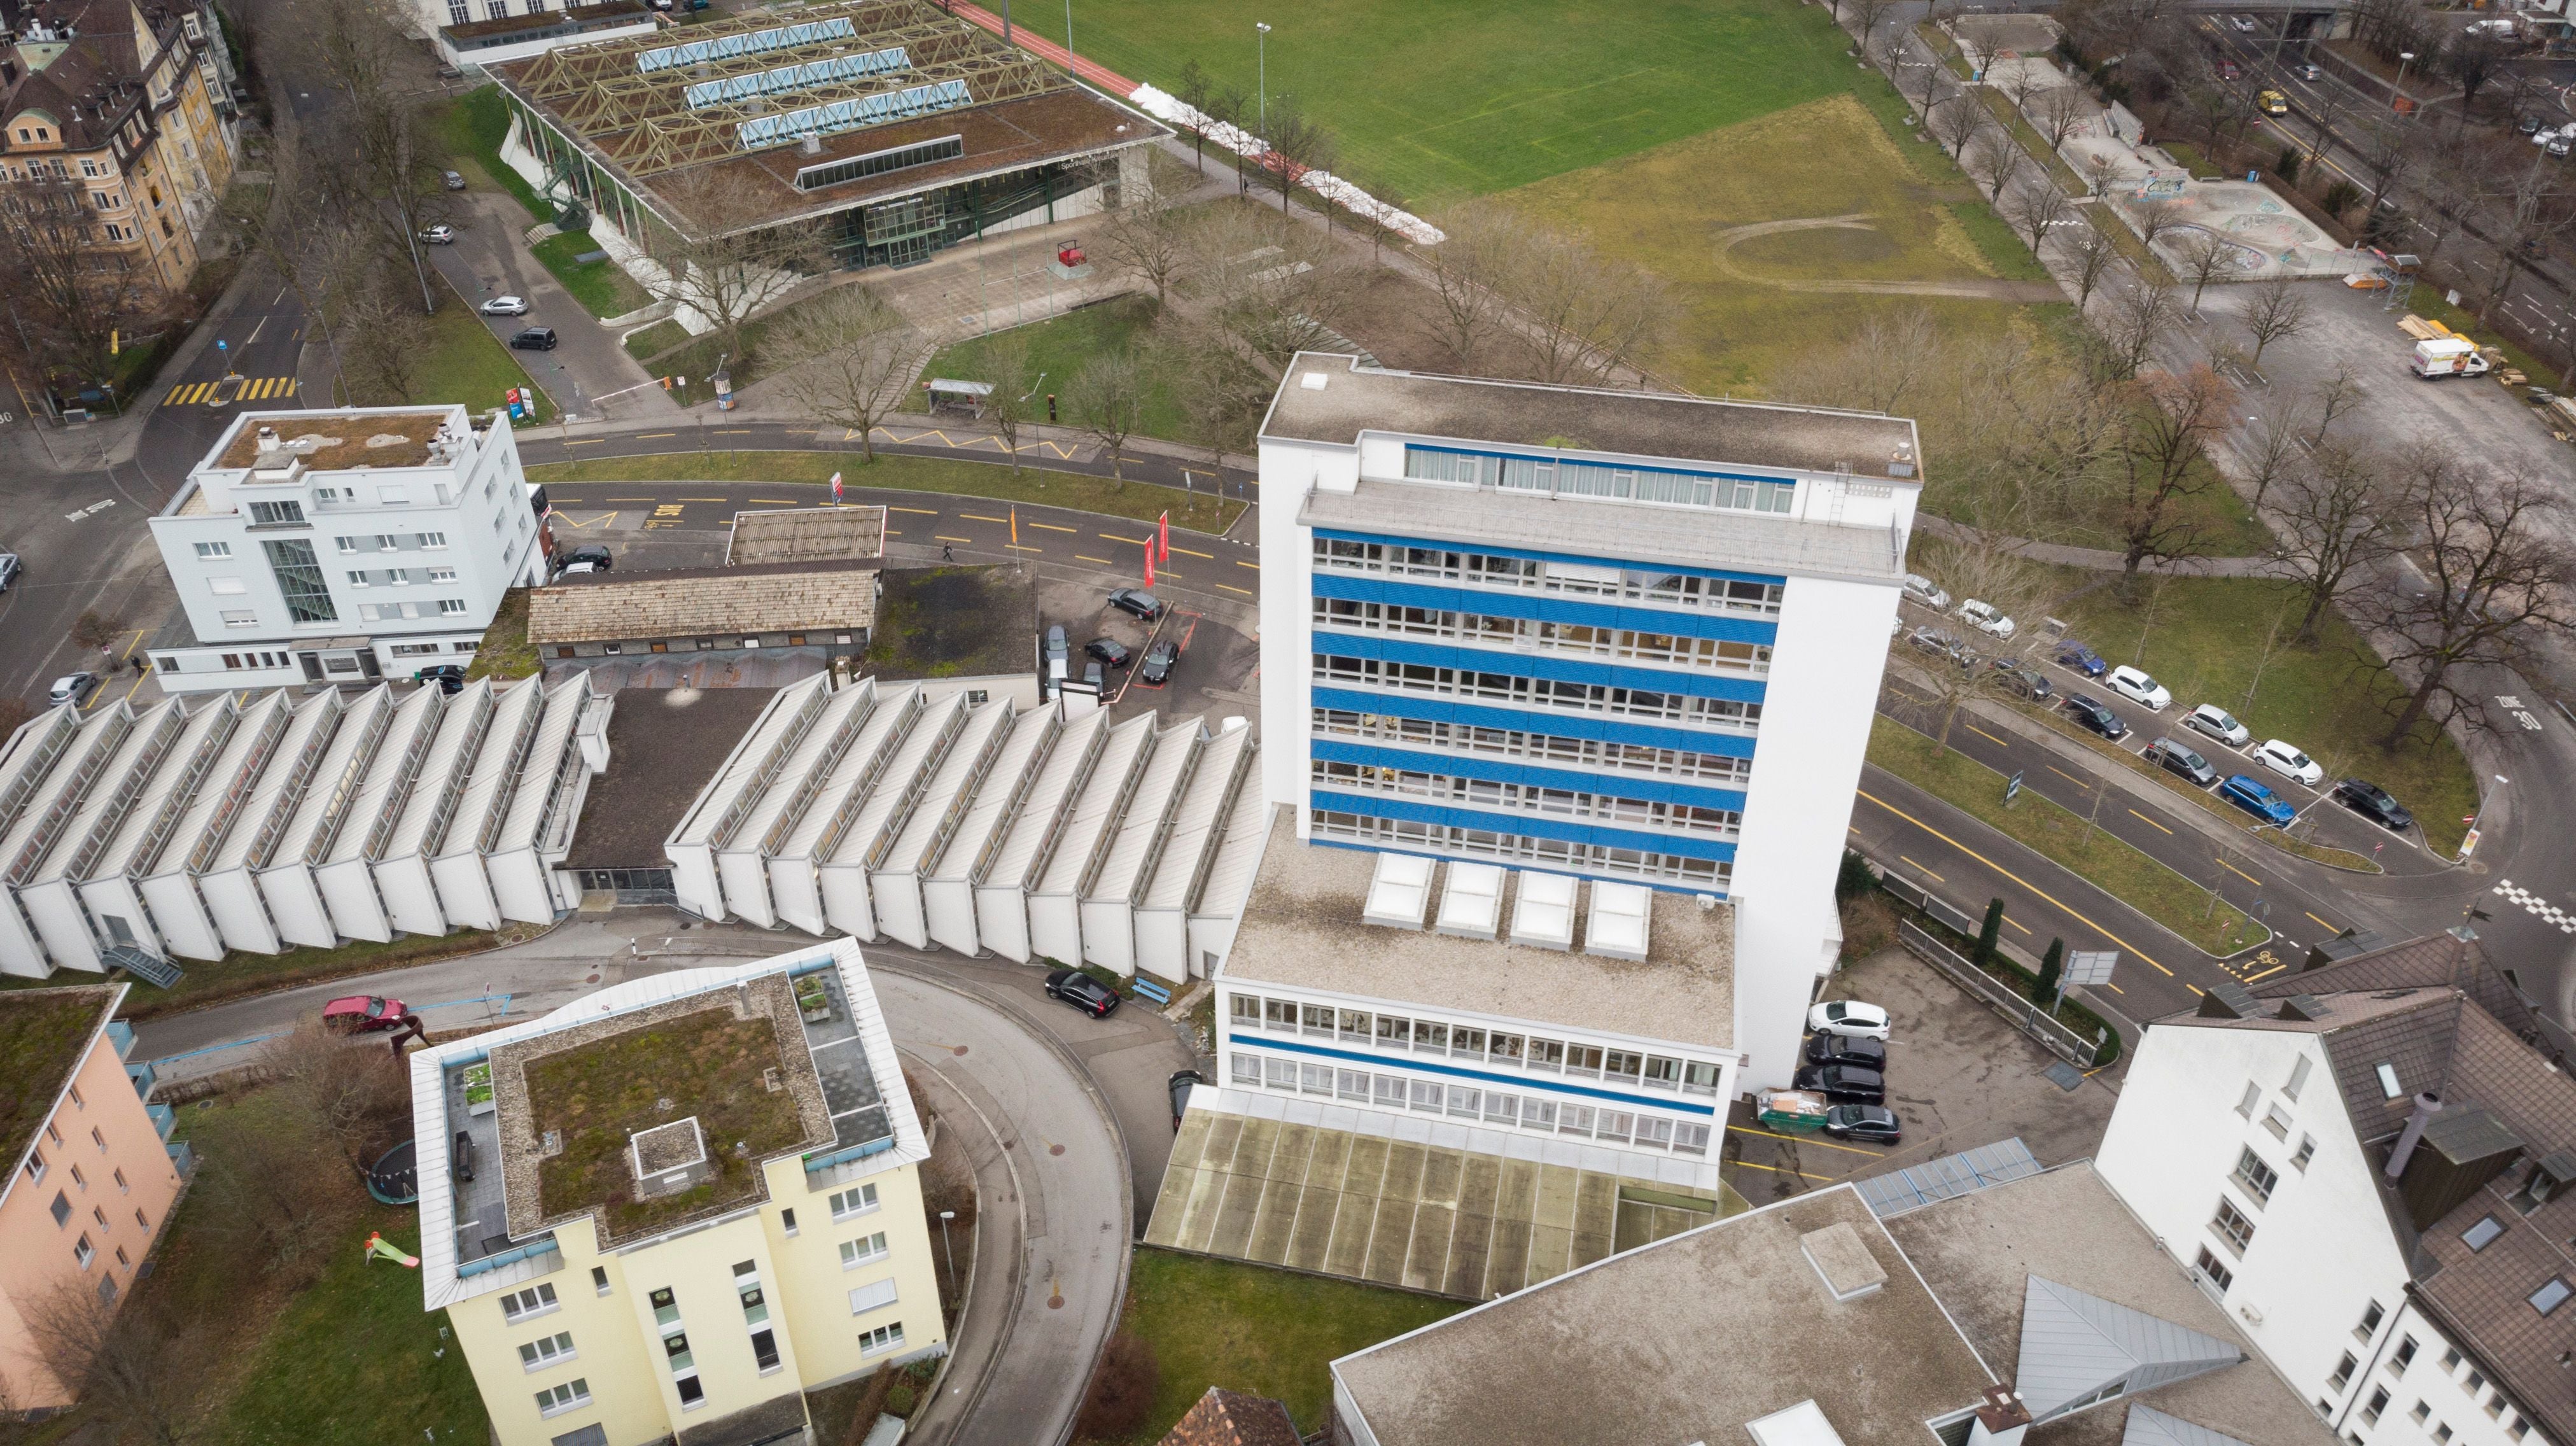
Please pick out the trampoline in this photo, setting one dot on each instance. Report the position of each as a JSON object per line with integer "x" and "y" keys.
{"x": 395, "y": 1180}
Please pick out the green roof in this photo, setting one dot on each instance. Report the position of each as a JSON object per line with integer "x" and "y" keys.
{"x": 42, "y": 1035}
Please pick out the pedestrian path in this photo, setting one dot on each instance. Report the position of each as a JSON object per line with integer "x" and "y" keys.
{"x": 257, "y": 389}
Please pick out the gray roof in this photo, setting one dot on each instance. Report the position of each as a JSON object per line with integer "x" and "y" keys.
{"x": 2149, "y": 1427}
{"x": 1680, "y": 536}
{"x": 1358, "y": 397}
{"x": 783, "y": 597}
{"x": 807, "y": 534}
{"x": 2073, "y": 1345}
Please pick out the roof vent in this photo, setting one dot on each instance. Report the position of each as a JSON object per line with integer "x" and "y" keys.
{"x": 1543, "y": 916}
{"x": 811, "y": 144}
{"x": 1400, "y": 893}
{"x": 1901, "y": 462}
{"x": 1803, "y": 1424}
{"x": 270, "y": 453}
{"x": 1843, "y": 1261}
{"x": 2550, "y": 1176}
{"x": 1617, "y": 926}
{"x": 2228, "y": 999}
{"x": 2303, "y": 1006}
{"x": 1315, "y": 381}
{"x": 668, "y": 1158}
{"x": 1472, "y": 904}
{"x": 2427, "y": 1105}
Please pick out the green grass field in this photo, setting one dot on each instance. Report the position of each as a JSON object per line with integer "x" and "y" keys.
{"x": 1060, "y": 345}
{"x": 601, "y": 286}
{"x": 1449, "y": 98}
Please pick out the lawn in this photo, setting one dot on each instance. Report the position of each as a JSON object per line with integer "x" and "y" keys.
{"x": 474, "y": 127}
{"x": 652, "y": 341}
{"x": 2333, "y": 701}
{"x": 1059, "y": 346}
{"x": 1197, "y": 511}
{"x": 2178, "y": 903}
{"x": 504, "y": 654}
{"x": 1252, "y": 1328}
{"x": 602, "y": 286}
{"x": 466, "y": 363}
{"x": 1449, "y": 98}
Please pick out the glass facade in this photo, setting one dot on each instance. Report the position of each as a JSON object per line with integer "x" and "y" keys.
{"x": 300, "y": 580}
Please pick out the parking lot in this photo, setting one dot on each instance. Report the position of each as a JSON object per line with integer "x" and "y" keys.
{"x": 1212, "y": 675}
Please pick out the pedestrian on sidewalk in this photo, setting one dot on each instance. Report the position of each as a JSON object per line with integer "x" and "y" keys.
{"x": 947, "y": 553}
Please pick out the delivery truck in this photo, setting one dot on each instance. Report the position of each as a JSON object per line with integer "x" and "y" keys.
{"x": 2449, "y": 356}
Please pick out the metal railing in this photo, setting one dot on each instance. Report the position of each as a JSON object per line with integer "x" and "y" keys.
{"x": 2053, "y": 1035}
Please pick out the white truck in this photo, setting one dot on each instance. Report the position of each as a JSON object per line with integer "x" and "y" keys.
{"x": 2449, "y": 356}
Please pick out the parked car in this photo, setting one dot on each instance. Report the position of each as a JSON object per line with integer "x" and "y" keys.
{"x": 1059, "y": 653}
{"x": 10, "y": 567}
{"x": 1137, "y": 603}
{"x": 578, "y": 569}
{"x": 591, "y": 553}
{"x": 1844, "y": 1083}
{"x": 452, "y": 180}
{"x": 2227, "y": 70}
{"x": 440, "y": 235}
{"x": 2178, "y": 759}
{"x": 2243, "y": 24}
{"x": 2528, "y": 123}
{"x": 1849, "y": 1018}
{"x": 505, "y": 306}
{"x": 2023, "y": 682}
{"x": 72, "y": 689}
{"x": 1985, "y": 619}
{"x": 2091, "y": 713}
{"x": 1834, "y": 1049}
{"x": 533, "y": 338}
{"x": 2285, "y": 759}
{"x": 448, "y": 678}
{"x": 2072, "y": 654}
{"x": 2272, "y": 102}
{"x": 2373, "y": 802}
{"x": 2137, "y": 687}
{"x": 1082, "y": 992}
{"x": 2257, "y": 800}
{"x": 2218, "y": 723}
{"x": 1179, "y": 1086}
{"x": 363, "y": 1013}
{"x": 1110, "y": 651}
{"x": 1159, "y": 659}
{"x": 1927, "y": 592}
{"x": 1942, "y": 644}
{"x": 1867, "y": 1124}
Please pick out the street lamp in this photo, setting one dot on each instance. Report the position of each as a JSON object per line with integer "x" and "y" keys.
{"x": 2405, "y": 58}
{"x": 1261, "y": 70}
{"x": 944, "y": 1217}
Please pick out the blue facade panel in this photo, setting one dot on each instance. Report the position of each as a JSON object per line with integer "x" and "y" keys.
{"x": 1394, "y": 704}
{"x": 1578, "y": 560}
{"x": 1516, "y": 825}
{"x": 1505, "y": 770}
{"x": 1536, "y": 665}
{"x": 1545, "y": 607}
{"x": 1391, "y": 1060}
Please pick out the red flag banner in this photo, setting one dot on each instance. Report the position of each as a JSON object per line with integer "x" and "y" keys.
{"x": 1149, "y": 565}
{"x": 1163, "y": 535}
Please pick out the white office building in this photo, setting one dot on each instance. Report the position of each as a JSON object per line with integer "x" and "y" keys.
{"x": 1613, "y": 635}
{"x": 343, "y": 547}
{"x": 2368, "y": 1166}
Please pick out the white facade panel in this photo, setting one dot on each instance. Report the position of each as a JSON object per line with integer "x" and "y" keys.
{"x": 112, "y": 892}
{"x": 1109, "y": 899}
{"x": 1187, "y": 852}
{"x": 742, "y": 865}
{"x": 49, "y": 891}
{"x": 1002, "y": 896}
{"x": 345, "y": 871}
{"x": 523, "y": 887}
{"x": 402, "y": 875}
{"x": 948, "y": 893}
{"x": 692, "y": 845}
{"x": 286, "y": 881}
{"x": 795, "y": 885}
{"x": 1055, "y": 901}
{"x": 848, "y": 902}
{"x": 915, "y": 849}
{"x": 456, "y": 871}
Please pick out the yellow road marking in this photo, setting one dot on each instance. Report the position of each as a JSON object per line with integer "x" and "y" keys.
{"x": 593, "y": 442}
{"x": 980, "y": 517}
{"x": 918, "y": 511}
{"x": 1776, "y": 1170}
{"x": 1185, "y": 552}
{"x": 1924, "y": 867}
{"x": 2016, "y": 923}
{"x": 1802, "y": 1140}
{"x": 646, "y": 436}
{"x": 1247, "y": 592}
{"x": 2329, "y": 927}
{"x": 706, "y": 499}
{"x": 2016, "y": 878}
{"x": 2240, "y": 873}
{"x": 1256, "y": 567}
{"x": 1051, "y": 527}
{"x": 779, "y": 501}
{"x": 1015, "y": 547}
{"x": 1104, "y": 562}
{"x": 2069, "y": 777}
{"x": 2151, "y": 823}
{"x": 1130, "y": 541}
{"x": 2266, "y": 974}
{"x": 944, "y": 537}
{"x": 629, "y": 499}
{"x": 733, "y": 431}
{"x": 1989, "y": 737}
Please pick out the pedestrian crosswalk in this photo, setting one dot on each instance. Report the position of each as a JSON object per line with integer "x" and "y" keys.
{"x": 224, "y": 393}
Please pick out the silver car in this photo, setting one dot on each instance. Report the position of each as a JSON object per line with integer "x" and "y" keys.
{"x": 2218, "y": 723}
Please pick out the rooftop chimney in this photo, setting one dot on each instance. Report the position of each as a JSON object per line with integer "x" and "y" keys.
{"x": 2001, "y": 1421}
{"x": 269, "y": 454}
{"x": 2427, "y": 1105}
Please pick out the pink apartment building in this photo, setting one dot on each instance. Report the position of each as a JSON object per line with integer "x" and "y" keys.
{"x": 91, "y": 1180}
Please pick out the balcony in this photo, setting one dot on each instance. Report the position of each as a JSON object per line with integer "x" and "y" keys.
{"x": 121, "y": 1035}
{"x": 164, "y": 1120}
{"x": 183, "y": 1159}
{"x": 143, "y": 1077}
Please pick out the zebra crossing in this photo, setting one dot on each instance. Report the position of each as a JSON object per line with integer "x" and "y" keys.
{"x": 257, "y": 389}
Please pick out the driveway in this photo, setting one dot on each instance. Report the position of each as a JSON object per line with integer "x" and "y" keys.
{"x": 588, "y": 374}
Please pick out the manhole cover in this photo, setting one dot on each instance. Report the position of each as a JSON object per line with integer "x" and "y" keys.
{"x": 958, "y": 1050}
{"x": 1055, "y": 1149}
{"x": 1055, "y": 1302}
{"x": 2063, "y": 1075}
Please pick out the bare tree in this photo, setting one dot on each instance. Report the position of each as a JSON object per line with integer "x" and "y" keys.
{"x": 2537, "y": 207}
{"x": 1468, "y": 275}
{"x": 1003, "y": 358}
{"x": 851, "y": 359}
{"x": 1265, "y": 287}
{"x": 1997, "y": 161}
{"x": 728, "y": 277}
{"x": 2338, "y": 520}
{"x": 1586, "y": 315}
{"x": 392, "y": 172}
{"x": 1958, "y": 123}
{"x": 2091, "y": 254}
{"x": 2205, "y": 258}
{"x": 1107, "y": 397}
{"x": 1867, "y": 16}
{"x": 2497, "y": 575}
{"x": 352, "y": 1094}
{"x": 2140, "y": 317}
{"x": 2268, "y": 452}
{"x": 68, "y": 294}
{"x": 1195, "y": 90}
{"x": 1888, "y": 356}
{"x": 1298, "y": 144}
{"x": 1980, "y": 567}
{"x": 2276, "y": 310}
{"x": 2164, "y": 465}
{"x": 2152, "y": 219}
{"x": 2333, "y": 397}
{"x": 2471, "y": 60}
{"x": 2035, "y": 209}
{"x": 1146, "y": 237}
{"x": 140, "y": 1370}
{"x": 2062, "y": 111}
{"x": 2383, "y": 150}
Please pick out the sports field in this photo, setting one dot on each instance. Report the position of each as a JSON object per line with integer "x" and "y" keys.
{"x": 1441, "y": 99}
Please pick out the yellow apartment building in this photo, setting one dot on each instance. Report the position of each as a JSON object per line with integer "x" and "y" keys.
{"x": 670, "y": 1208}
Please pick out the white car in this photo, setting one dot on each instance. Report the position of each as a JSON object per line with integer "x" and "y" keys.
{"x": 2137, "y": 687}
{"x": 439, "y": 235}
{"x": 1983, "y": 617}
{"x": 2284, "y": 759}
{"x": 2218, "y": 723}
{"x": 1924, "y": 590}
{"x": 72, "y": 689}
{"x": 1848, "y": 1018}
{"x": 505, "y": 306}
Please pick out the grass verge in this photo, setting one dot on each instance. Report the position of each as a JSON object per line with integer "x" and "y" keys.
{"x": 1252, "y": 1328}
{"x": 2132, "y": 250}
{"x": 474, "y": 127}
{"x": 466, "y": 363}
{"x": 2033, "y": 144}
{"x": 2206, "y": 640}
{"x": 240, "y": 973}
{"x": 1141, "y": 500}
{"x": 654, "y": 340}
{"x": 2140, "y": 882}
{"x": 505, "y": 652}
{"x": 601, "y": 286}
{"x": 1060, "y": 345}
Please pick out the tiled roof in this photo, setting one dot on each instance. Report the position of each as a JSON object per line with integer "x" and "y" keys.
{"x": 1231, "y": 1418}
{"x": 710, "y": 601}
{"x": 807, "y": 534}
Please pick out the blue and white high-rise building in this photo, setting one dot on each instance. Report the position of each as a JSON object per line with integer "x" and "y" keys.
{"x": 1617, "y": 635}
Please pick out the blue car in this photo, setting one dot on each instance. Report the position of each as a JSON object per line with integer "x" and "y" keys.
{"x": 2257, "y": 800}
{"x": 2072, "y": 654}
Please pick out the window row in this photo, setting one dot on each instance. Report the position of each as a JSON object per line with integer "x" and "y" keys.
{"x": 235, "y": 661}
{"x": 1539, "y": 635}
{"x": 398, "y": 576}
{"x": 1554, "y": 853}
{"x": 1469, "y": 1102}
{"x": 1528, "y": 798}
{"x": 1540, "y": 692}
{"x": 1555, "y": 478}
{"x": 1358, "y": 1027}
{"x": 1637, "y": 584}
{"x": 1546, "y": 748}
{"x": 446, "y": 607}
{"x": 394, "y": 542}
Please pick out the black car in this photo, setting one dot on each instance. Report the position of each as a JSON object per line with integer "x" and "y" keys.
{"x": 1136, "y": 602}
{"x": 2090, "y": 714}
{"x": 1181, "y": 1081}
{"x": 1836, "y": 1049}
{"x": 2180, "y": 760}
{"x": 592, "y": 553}
{"x": 1159, "y": 659}
{"x": 448, "y": 676}
{"x": 2372, "y": 802}
{"x": 533, "y": 338}
{"x": 1844, "y": 1083}
{"x": 1869, "y": 1124}
{"x": 1082, "y": 992}
{"x": 2013, "y": 678}
{"x": 1110, "y": 651}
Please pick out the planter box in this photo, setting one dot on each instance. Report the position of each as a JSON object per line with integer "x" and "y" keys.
{"x": 478, "y": 1089}
{"x": 812, "y": 999}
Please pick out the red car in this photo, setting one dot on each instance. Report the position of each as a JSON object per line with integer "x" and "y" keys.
{"x": 363, "y": 1013}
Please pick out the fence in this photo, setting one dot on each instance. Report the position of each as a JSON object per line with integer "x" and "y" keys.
{"x": 2029, "y": 1018}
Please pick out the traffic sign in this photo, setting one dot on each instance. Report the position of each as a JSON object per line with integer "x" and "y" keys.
{"x": 2012, "y": 785}
{"x": 2090, "y": 966}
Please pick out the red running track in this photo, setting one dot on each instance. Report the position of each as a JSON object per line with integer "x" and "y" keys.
{"x": 1099, "y": 75}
